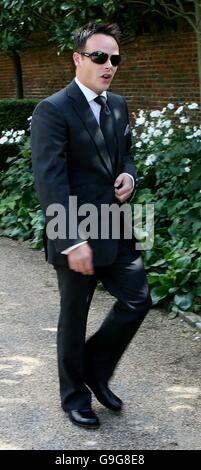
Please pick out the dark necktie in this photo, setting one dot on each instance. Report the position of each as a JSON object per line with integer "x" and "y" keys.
{"x": 107, "y": 128}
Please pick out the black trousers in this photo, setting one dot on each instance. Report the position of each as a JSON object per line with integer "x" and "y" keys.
{"x": 126, "y": 280}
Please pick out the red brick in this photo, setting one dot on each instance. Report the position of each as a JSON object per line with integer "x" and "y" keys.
{"x": 154, "y": 70}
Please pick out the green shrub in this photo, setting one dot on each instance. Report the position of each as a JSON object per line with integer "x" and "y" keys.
{"x": 5, "y": 152}
{"x": 20, "y": 213}
{"x": 9, "y": 146}
{"x": 14, "y": 114}
{"x": 167, "y": 155}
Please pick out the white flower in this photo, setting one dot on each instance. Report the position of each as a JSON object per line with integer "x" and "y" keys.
{"x": 29, "y": 118}
{"x": 170, "y": 132}
{"x": 155, "y": 114}
{"x": 190, "y": 136}
{"x": 157, "y": 133}
{"x": 166, "y": 141}
{"x": 18, "y": 139}
{"x": 150, "y": 130}
{"x": 11, "y": 141}
{"x": 21, "y": 132}
{"x": 193, "y": 106}
{"x": 150, "y": 159}
{"x": 159, "y": 123}
{"x": 145, "y": 141}
{"x": 7, "y": 133}
{"x": 138, "y": 145}
{"x": 183, "y": 120}
{"x": 151, "y": 142}
{"x": 166, "y": 123}
{"x": 143, "y": 136}
{"x": 187, "y": 129}
{"x": 187, "y": 169}
{"x": 146, "y": 123}
{"x": 139, "y": 121}
{"x": 197, "y": 133}
{"x": 187, "y": 161}
{"x": 3, "y": 140}
{"x": 134, "y": 132}
{"x": 179, "y": 110}
{"x": 170, "y": 106}
{"x": 163, "y": 110}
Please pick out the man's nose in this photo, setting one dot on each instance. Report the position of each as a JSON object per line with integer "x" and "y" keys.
{"x": 108, "y": 63}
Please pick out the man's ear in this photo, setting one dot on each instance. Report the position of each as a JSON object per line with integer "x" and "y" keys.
{"x": 76, "y": 58}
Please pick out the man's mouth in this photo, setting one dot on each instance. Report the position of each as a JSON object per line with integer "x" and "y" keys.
{"x": 106, "y": 76}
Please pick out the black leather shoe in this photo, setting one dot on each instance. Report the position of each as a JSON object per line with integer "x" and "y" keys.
{"x": 104, "y": 395}
{"x": 84, "y": 417}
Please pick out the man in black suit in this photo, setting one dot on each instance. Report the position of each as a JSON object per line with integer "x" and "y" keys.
{"x": 81, "y": 147}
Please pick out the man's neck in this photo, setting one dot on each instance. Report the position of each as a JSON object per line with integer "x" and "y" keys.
{"x": 86, "y": 89}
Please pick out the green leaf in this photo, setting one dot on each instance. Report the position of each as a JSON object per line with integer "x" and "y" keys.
{"x": 197, "y": 264}
{"x": 196, "y": 227}
{"x": 197, "y": 292}
{"x": 183, "y": 262}
{"x": 173, "y": 312}
{"x": 66, "y": 7}
{"x": 184, "y": 302}
{"x": 160, "y": 262}
{"x": 157, "y": 294}
{"x": 153, "y": 278}
{"x": 172, "y": 290}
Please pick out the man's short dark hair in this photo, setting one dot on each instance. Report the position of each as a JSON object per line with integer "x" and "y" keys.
{"x": 85, "y": 32}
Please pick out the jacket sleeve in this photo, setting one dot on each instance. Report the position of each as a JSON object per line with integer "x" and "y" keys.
{"x": 49, "y": 139}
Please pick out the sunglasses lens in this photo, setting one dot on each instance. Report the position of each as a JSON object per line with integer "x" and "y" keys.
{"x": 115, "y": 59}
{"x": 99, "y": 57}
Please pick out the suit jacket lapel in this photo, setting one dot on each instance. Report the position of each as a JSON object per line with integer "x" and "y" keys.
{"x": 85, "y": 113}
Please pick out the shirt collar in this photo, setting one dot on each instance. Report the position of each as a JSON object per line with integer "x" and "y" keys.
{"x": 89, "y": 94}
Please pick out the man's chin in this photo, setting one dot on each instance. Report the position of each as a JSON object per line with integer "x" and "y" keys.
{"x": 103, "y": 88}
{"x": 105, "y": 83}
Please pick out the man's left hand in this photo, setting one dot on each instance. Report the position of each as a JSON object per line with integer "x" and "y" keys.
{"x": 125, "y": 185}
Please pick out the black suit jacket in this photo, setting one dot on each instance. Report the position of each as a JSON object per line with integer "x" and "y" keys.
{"x": 70, "y": 157}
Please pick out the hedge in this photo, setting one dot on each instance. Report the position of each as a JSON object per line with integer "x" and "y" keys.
{"x": 7, "y": 151}
{"x": 14, "y": 114}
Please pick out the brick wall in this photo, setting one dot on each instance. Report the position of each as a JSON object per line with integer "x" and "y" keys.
{"x": 155, "y": 70}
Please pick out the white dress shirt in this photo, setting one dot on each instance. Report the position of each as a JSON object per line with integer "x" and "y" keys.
{"x": 90, "y": 95}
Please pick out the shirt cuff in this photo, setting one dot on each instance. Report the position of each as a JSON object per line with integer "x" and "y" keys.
{"x": 133, "y": 181}
{"x": 68, "y": 250}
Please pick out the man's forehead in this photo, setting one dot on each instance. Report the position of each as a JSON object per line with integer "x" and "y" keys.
{"x": 100, "y": 40}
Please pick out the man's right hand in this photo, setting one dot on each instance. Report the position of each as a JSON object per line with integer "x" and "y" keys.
{"x": 81, "y": 259}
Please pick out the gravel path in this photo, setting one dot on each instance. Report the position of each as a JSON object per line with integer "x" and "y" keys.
{"x": 158, "y": 378}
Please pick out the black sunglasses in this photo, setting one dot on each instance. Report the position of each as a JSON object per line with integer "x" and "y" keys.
{"x": 101, "y": 57}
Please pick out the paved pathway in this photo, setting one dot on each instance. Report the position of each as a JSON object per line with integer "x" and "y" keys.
{"x": 158, "y": 378}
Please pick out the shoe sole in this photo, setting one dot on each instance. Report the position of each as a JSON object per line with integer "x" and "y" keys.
{"x": 85, "y": 426}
